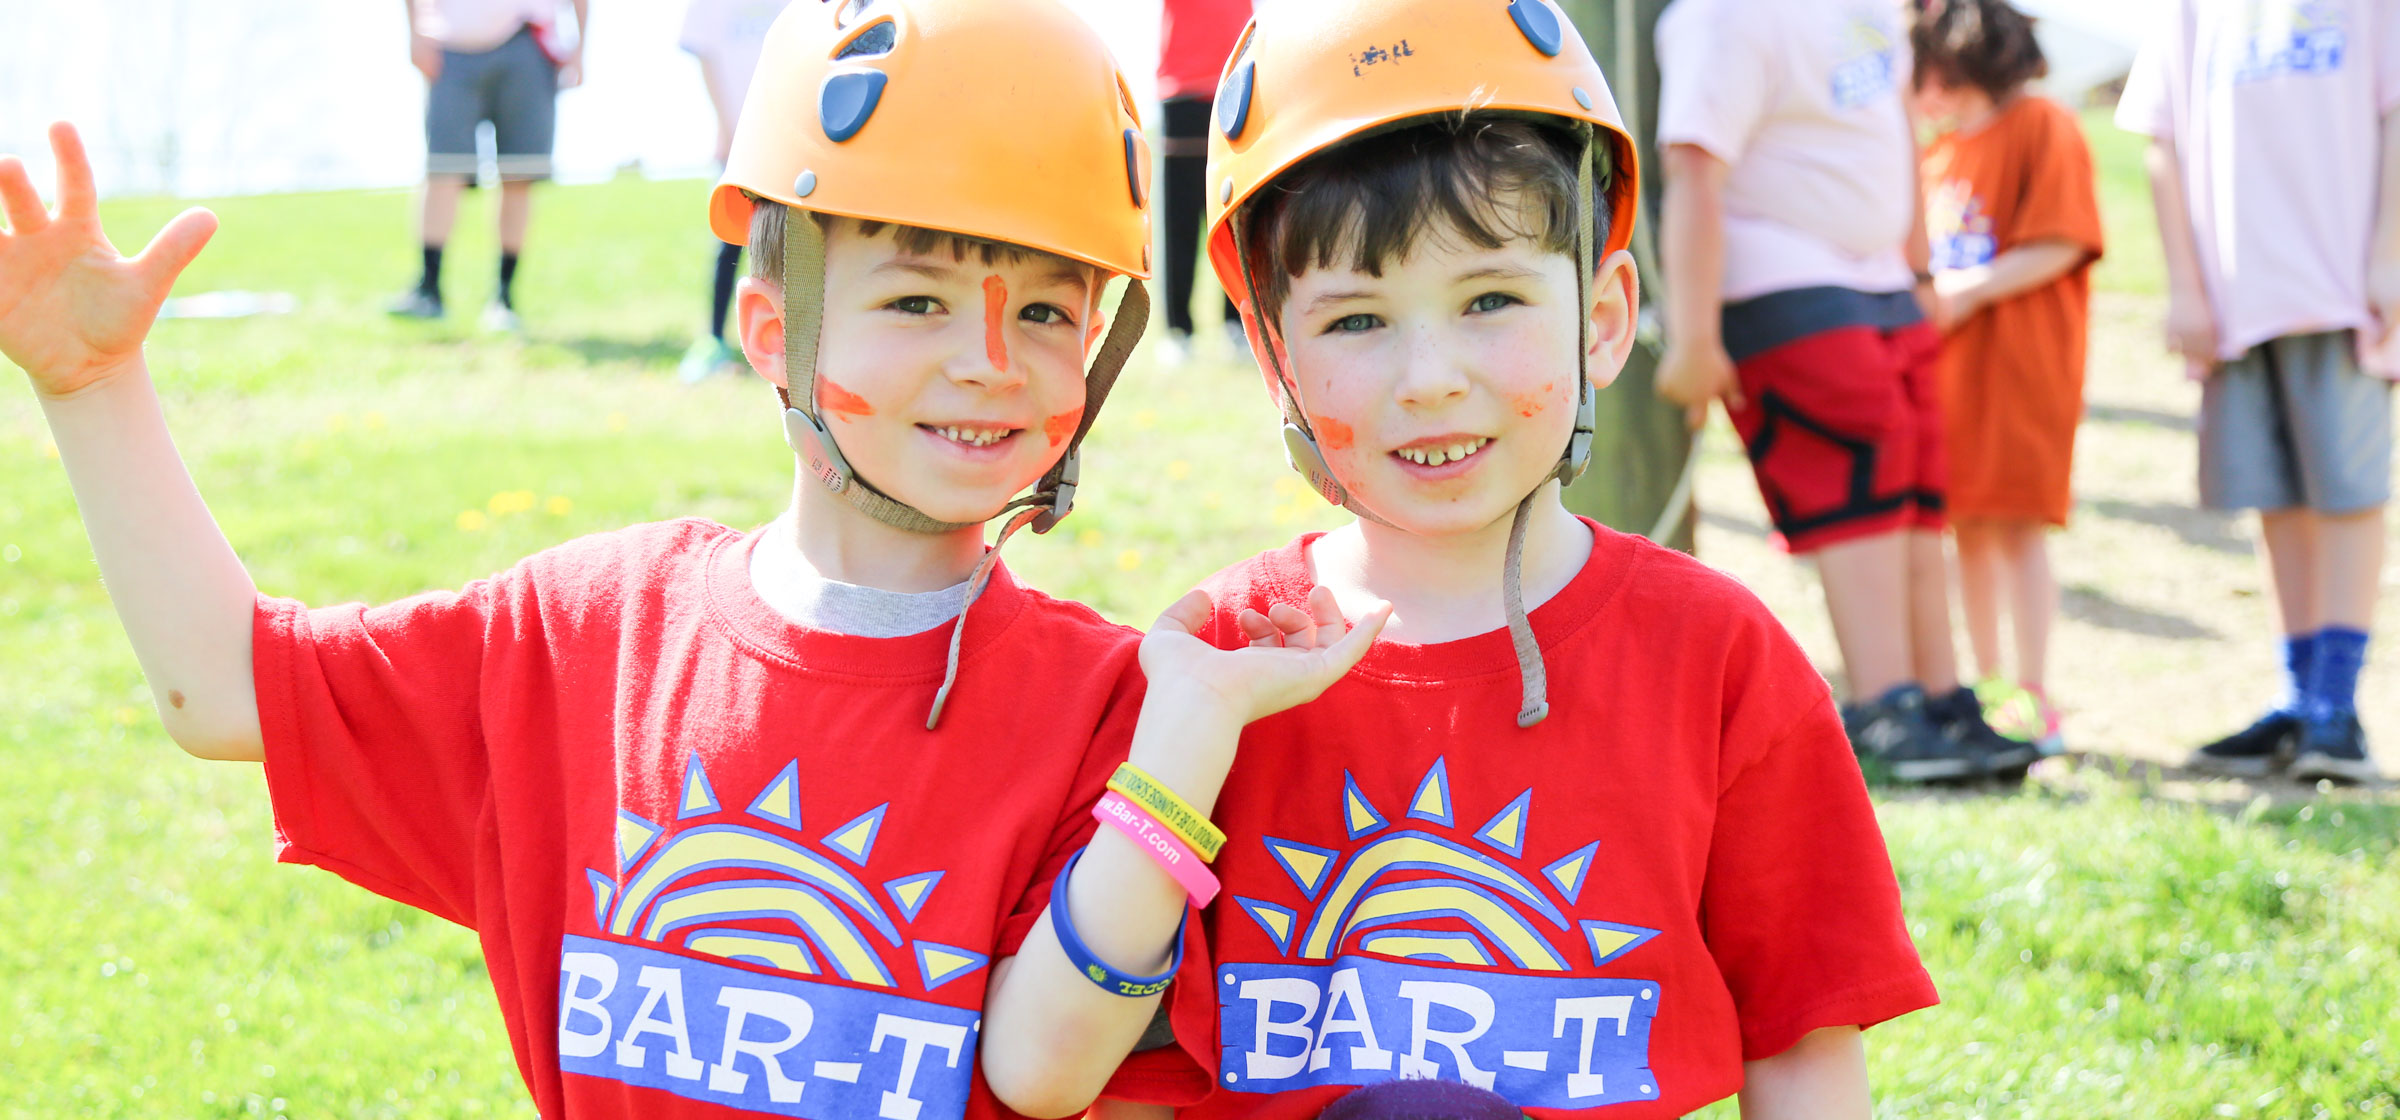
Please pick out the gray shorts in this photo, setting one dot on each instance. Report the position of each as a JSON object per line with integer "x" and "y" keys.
{"x": 514, "y": 86}
{"x": 2294, "y": 423}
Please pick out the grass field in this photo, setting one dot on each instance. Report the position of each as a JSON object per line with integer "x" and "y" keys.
{"x": 2113, "y": 939}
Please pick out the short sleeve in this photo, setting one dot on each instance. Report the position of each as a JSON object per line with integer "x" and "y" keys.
{"x": 1716, "y": 75}
{"x": 376, "y": 760}
{"x": 1800, "y": 908}
{"x": 1111, "y": 742}
{"x": 2059, "y": 201}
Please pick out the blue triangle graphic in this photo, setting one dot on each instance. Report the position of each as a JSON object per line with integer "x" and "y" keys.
{"x": 940, "y": 964}
{"x": 910, "y": 901}
{"x": 855, "y": 839}
{"x": 1294, "y": 856}
{"x": 697, "y": 797}
{"x": 1505, "y": 834}
{"x": 1598, "y": 933}
{"x": 1431, "y": 802}
{"x": 1280, "y": 922}
{"x": 1358, "y": 814}
{"x": 1567, "y": 874}
{"x": 780, "y": 801}
{"x": 604, "y": 892}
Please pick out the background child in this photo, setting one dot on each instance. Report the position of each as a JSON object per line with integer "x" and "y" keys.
{"x": 681, "y": 779}
{"x": 2014, "y": 227}
{"x": 2275, "y": 164}
{"x": 1788, "y": 231}
{"x": 1582, "y": 829}
{"x": 725, "y": 35}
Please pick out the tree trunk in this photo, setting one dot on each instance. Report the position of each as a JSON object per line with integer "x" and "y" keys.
{"x": 1642, "y": 446}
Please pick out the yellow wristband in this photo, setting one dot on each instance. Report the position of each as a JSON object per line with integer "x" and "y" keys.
{"x": 1203, "y": 838}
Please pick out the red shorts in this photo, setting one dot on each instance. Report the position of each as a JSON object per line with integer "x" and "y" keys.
{"x": 1844, "y": 430}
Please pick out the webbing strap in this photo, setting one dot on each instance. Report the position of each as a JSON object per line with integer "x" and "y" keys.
{"x": 958, "y": 630}
{"x": 1530, "y": 674}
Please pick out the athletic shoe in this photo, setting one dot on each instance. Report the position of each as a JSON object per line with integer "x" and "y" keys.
{"x": 1174, "y": 349}
{"x": 708, "y": 356}
{"x": 2334, "y": 748}
{"x": 1960, "y": 718}
{"x": 2023, "y": 713}
{"x": 500, "y": 318}
{"x": 2254, "y": 751}
{"x": 417, "y": 304}
{"x": 1895, "y": 733}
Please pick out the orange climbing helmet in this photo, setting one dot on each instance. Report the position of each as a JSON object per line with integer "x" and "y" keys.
{"x": 1000, "y": 119}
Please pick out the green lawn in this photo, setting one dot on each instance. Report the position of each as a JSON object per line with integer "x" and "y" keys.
{"x": 2102, "y": 950}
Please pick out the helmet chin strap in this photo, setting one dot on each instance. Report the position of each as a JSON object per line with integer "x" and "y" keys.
{"x": 805, "y": 429}
{"x": 1300, "y": 441}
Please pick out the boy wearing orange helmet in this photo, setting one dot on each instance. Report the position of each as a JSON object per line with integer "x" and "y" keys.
{"x": 1584, "y": 830}
{"x": 745, "y": 821}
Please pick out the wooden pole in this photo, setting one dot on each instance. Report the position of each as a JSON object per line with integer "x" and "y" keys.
{"x": 1642, "y": 450}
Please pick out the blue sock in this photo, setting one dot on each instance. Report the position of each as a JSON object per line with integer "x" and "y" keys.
{"x": 2333, "y": 679}
{"x": 2299, "y": 667}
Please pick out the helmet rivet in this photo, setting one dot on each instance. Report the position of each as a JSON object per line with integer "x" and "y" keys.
{"x": 805, "y": 185}
{"x": 1583, "y": 98}
{"x": 1226, "y": 197}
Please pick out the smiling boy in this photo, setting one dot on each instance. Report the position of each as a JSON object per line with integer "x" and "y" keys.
{"x": 1583, "y": 827}
{"x": 744, "y": 821}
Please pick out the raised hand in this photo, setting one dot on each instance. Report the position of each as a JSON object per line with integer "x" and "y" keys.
{"x": 1293, "y": 656}
{"x": 73, "y": 312}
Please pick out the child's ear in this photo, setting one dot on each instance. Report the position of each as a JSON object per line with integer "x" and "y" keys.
{"x": 758, "y": 318}
{"x": 1616, "y": 294}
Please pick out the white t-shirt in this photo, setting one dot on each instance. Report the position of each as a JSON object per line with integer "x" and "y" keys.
{"x": 1803, "y": 99}
{"x": 471, "y": 26}
{"x": 2274, "y": 107}
{"x": 725, "y": 35}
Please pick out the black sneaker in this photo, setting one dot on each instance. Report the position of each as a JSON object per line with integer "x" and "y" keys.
{"x": 1896, "y": 734}
{"x": 2252, "y": 752}
{"x": 417, "y": 304}
{"x": 1960, "y": 718}
{"x": 2334, "y": 747}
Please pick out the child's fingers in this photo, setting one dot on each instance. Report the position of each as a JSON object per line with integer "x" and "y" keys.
{"x": 1324, "y": 608}
{"x": 1188, "y": 615}
{"x": 18, "y": 198}
{"x": 1256, "y": 628}
{"x": 1294, "y": 622}
{"x": 1345, "y": 654}
{"x": 176, "y": 245}
{"x": 76, "y": 196}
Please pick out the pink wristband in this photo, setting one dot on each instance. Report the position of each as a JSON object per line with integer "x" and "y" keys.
{"x": 1160, "y": 844}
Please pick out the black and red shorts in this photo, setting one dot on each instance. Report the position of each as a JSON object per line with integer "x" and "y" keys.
{"x": 1841, "y": 417}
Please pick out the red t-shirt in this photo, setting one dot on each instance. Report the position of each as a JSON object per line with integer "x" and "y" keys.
{"x": 715, "y": 860}
{"x": 1677, "y": 871}
{"x": 1194, "y": 38}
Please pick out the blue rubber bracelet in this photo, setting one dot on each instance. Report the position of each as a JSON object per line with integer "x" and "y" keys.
{"x": 1093, "y": 968}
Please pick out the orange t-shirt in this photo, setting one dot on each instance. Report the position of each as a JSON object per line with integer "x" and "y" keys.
{"x": 2012, "y": 376}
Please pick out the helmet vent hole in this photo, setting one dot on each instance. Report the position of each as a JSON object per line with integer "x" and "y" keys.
{"x": 876, "y": 41}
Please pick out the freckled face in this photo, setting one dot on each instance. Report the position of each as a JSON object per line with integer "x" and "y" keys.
{"x": 1444, "y": 389}
{"x": 944, "y": 380}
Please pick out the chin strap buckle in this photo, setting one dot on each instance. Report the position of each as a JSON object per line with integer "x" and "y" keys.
{"x": 1068, "y": 472}
{"x": 808, "y": 436}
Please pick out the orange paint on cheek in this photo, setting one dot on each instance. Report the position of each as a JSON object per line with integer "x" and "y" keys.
{"x": 1059, "y": 427}
{"x": 1333, "y": 435}
{"x": 995, "y": 311}
{"x": 835, "y": 399}
{"x": 1533, "y": 404}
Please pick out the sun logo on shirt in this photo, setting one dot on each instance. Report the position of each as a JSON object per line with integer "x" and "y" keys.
{"x": 1416, "y": 889}
{"x": 741, "y": 885}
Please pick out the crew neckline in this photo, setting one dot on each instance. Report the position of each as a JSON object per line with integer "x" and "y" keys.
{"x": 735, "y": 605}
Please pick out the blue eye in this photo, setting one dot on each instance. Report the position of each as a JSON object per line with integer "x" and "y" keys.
{"x": 1491, "y": 301}
{"x": 1353, "y": 324}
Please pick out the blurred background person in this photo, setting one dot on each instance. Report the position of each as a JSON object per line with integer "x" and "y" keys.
{"x": 502, "y": 61}
{"x": 1195, "y": 36}
{"x": 725, "y": 35}
{"x": 2014, "y": 224}
{"x": 2275, "y": 165}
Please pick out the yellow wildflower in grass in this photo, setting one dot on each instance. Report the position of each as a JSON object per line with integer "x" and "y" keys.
{"x": 616, "y": 421}
{"x": 373, "y": 421}
{"x": 510, "y": 501}
{"x": 559, "y": 505}
{"x": 1129, "y": 559}
{"x": 1145, "y": 419}
{"x": 1179, "y": 470}
{"x": 1212, "y": 500}
{"x": 1286, "y": 484}
{"x": 338, "y": 422}
{"x": 1089, "y": 538}
{"x": 471, "y": 521}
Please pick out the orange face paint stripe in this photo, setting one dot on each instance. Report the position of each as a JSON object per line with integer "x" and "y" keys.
{"x": 995, "y": 311}
{"x": 1059, "y": 427}
{"x": 1332, "y": 434}
{"x": 835, "y": 399}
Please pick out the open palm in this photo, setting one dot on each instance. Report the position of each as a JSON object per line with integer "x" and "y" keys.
{"x": 1293, "y": 656}
{"x": 72, "y": 311}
